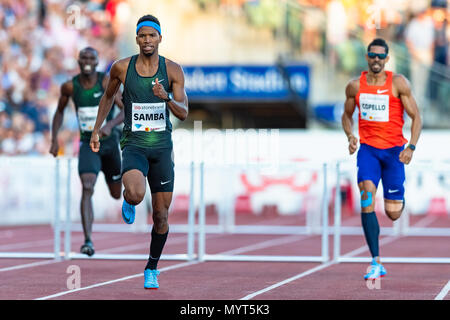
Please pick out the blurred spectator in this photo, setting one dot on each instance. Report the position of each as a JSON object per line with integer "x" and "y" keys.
{"x": 25, "y": 139}
{"x": 40, "y": 41}
{"x": 351, "y": 54}
{"x": 439, "y": 88}
{"x": 419, "y": 37}
{"x": 440, "y": 42}
{"x": 314, "y": 21}
{"x": 336, "y": 22}
{"x": 39, "y": 45}
{"x": 8, "y": 143}
{"x": 401, "y": 53}
{"x": 336, "y": 29}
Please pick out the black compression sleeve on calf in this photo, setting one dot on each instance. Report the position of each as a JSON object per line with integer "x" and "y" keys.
{"x": 371, "y": 231}
{"x": 156, "y": 246}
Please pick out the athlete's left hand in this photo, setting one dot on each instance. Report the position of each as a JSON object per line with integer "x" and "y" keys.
{"x": 159, "y": 91}
{"x": 95, "y": 142}
{"x": 406, "y": 155}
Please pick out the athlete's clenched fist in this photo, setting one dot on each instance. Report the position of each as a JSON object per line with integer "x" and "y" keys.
{"x": 159, "y": 91}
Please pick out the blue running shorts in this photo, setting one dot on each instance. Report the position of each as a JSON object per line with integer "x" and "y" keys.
{"x": 375, "y": 164}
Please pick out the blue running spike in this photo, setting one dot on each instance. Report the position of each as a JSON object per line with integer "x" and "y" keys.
{"x": 128, "y": 212}
{"x": 377, "y": 270}
{"x": 151, "y": 279}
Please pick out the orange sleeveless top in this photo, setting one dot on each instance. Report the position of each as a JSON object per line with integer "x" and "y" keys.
{"x": 380, "y": 114}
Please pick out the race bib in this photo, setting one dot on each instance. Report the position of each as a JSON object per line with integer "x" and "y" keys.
{"x": 374, "y": 107}
{"x": 87, "y": 117}
{"x": 148, "y": 116}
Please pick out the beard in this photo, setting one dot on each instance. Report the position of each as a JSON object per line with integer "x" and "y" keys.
{"x": 375, "y": 69}
{"x": 148, "y": 54}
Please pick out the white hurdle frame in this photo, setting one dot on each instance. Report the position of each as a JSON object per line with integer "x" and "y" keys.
{"x": 188, "y": 256}
{"x": 339, "y": 230}
{"x": 56, "y": 254}
{"x": 400, "y": 227}
{"x": 324, "y": 257}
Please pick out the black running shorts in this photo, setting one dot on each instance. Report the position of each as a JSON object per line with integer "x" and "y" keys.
{"x": 155, "y": 163}
{"x": 107, "y": 159}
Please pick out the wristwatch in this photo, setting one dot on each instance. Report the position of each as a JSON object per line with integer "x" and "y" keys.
{"x": 412, "y": 147}
{"x": 169, "y": 97}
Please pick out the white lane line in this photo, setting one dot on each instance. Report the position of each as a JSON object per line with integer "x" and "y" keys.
{"x": 115, "y": 249}
{"x": 266, "y": 244}
{"x": 303, "y": 274}
{"x": 279, "y": 284}
{"x": 443, "y": 292}
{"x": 136, "y": 246}
{"x": 324, "y": 266}
{"x": 6, "y": 234}
{"x": 28, "y": 265}
{"x": 74, "y": 238}
{"x": 181, "y": 265}
{"x": 262, "y": 245}
{"x": 27, "y": 244}
{"x": 365, "y": 248}
{"x": 182, "y": 239}
{"x": 45, "y": 242}
{"x": 249, "y": 248}
{"x": 424, "y": 222}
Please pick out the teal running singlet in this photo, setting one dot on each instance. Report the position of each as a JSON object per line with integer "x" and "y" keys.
{"x": 147, "y": 121}
{"x": 86, "y": 105}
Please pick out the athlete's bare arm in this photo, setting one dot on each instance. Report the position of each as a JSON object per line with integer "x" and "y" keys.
{"x": 118, "y": 119}
{"x": 116, "y": 77}
{"x": 403, "y": 88}
{"x": 179, "y": 103}
{"x": 66, "y": 93}
{"x": 347, "y": 117}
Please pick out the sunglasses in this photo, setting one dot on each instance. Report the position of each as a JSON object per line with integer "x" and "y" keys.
{"x": 380, "y": 56}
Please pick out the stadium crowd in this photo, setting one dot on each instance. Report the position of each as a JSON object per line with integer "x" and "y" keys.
{"x": 39, "y": 45}
{"x": 40, "y": 41}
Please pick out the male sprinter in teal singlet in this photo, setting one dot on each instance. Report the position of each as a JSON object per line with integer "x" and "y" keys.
{"x": 153, "y": 85}
{"x": 86, "y": 90}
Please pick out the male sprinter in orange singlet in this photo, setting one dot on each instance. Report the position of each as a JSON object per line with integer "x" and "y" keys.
{"x": 382, "y": 97}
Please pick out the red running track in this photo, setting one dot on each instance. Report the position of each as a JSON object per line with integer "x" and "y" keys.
{"x": 114, "y": 279}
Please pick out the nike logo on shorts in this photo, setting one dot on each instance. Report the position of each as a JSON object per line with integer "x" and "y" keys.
{"x": 153, "y": 82}
{"x": 382, "y": 91}
{"x": 392, "y": 191}
{"x": 163, "y": 183}
{"x": 116, "y": 177}
{"x": 97, "y": 94}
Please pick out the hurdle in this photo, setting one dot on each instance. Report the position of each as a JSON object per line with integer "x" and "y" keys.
{"x": 56, "y": 254}
{"x": 338, "y": 231}
{"x": 324, "y": 230}
{"x": 190, "y": 229}
{"x": 58, "y": 226}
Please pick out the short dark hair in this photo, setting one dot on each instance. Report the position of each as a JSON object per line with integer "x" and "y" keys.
{"x": 93, "y": 50}
{"x": 148, "y": 17}
{"x": 378, "y": 42}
